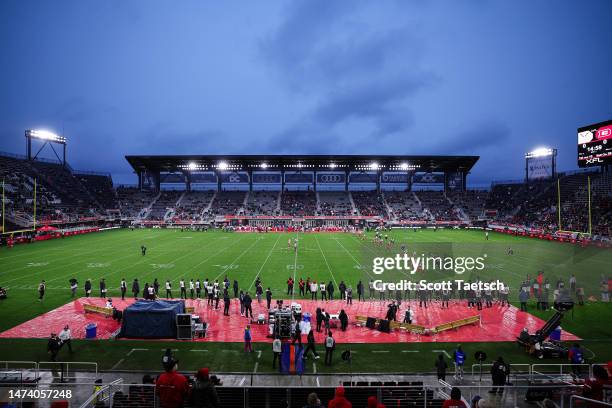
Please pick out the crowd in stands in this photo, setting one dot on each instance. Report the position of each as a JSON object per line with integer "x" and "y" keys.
{"x": 369, "y": 203}
{"x": 298, "y": 203}
{"x": 193, "y": 205}
{"x": 404, "y": 206}
{"x": 164, "y": 203}
{"x": 132, "y": 201}
{"x": 471, "y": 202}
{"x": 438, "y": 205}
{"x": 262, "y": 203}
{"x": 227, "y": 203}
{"x": 335, "y": 203}
{"x": 63, "y": 196}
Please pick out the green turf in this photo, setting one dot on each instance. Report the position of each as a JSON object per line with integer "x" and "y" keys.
{"x": 173, "y": 254}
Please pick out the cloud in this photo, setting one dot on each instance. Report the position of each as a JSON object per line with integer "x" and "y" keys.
{"x": 352, "y": 69}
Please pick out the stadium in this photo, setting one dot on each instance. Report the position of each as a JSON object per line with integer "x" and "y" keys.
{"x": 270, "y": 277}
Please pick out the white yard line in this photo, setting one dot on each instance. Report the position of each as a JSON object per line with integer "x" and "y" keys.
{"x": 442, "y": 351}
{"x": 297, "y": 234}
{"x": 117, "y": 364}
{"x": 325, "y": 259}
{"x": 136, "y": 349}
{"x": 264, "y": 262}
{"x": 237, "y": 258}
{"x": 215, "y": 254}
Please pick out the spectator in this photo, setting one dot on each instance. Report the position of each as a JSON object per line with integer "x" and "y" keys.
{"x": 372, "y": 402}
{"x": 455, "y": 399}
{"x": 203, "y": 392}
{"x": 594, "y": 388}
{"x": 523, "y": 298}
{"x": 313, "y": 401}
{"x": 339, "y": 401}
{"x": 171, "y": 387}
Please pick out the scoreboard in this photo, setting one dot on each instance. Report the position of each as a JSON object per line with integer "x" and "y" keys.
{"x": 595, "y": 144}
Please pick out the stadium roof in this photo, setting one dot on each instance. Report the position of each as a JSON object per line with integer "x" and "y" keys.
{"x": 302, "y": 162}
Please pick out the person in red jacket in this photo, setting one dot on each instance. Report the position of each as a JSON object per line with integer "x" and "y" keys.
{"x": 455, "y": 399}
{"x": 339, "y": 401}
{"x": 171, "y": 388}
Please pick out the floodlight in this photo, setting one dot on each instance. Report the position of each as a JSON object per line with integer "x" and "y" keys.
{"x": 45, "y": 135}
{"x": 299, "y": 165}
{"x": 404, "y": 166}
{"x": 264, "y": 165}
{"x": 540, "y": 152}
{"x": 332, "y": 165}
{"x": 192, "y": 166}
{"x": 222, "y": 165}
{"x": 373, "y": 166}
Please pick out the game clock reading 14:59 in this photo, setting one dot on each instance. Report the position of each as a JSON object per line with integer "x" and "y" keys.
{"x": 595, "y": 144}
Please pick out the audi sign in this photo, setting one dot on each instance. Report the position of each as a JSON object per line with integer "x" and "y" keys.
{"x": 331, "y": 178}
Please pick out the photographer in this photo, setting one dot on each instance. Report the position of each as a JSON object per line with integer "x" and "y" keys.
{"x": 203, "y": 392}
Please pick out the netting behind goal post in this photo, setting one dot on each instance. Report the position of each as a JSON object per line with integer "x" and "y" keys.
{"x": 574, "y": 204}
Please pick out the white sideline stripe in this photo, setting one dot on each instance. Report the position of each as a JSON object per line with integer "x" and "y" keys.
{"x": 199, "y": 350}
{"x": 442, "y": 351}
{"x": 258, "y": 354}
{"x": 229, "y": 351}
{"x": 118, "y": 364}
{"x": 256, "y": 365}
{"x": 264, "y": 262}
{"x": 314, "y": 368}
{"x": 410, "y": 351}
{"x": 380, "y": 351}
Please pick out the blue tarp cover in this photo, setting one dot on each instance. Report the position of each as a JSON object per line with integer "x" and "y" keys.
{"x": 147, "y": 319}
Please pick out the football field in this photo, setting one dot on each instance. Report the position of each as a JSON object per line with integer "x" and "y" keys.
{"x": 324, "y": 257}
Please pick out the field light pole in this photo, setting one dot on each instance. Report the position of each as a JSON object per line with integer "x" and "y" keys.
{"x": 47, "y": 138}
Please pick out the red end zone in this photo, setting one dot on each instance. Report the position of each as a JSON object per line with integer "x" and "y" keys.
{"x": 497, "y": 323}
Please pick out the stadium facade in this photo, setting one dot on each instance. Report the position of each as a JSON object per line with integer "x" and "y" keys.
{"x": 301, "y": 172}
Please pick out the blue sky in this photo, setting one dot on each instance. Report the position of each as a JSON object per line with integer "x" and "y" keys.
{"x": 484, "y": 77}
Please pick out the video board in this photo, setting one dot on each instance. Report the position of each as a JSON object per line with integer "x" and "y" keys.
{"x": 595, "y": 144}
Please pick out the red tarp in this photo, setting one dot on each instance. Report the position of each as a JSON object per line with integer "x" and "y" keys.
{"x": 498, "y": 323}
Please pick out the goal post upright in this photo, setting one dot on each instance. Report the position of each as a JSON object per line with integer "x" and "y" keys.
{"x": 589, "y": 195}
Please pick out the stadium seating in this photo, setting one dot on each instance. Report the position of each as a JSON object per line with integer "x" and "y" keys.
{"x": 262, "y": 203}
{"x": 370, "y": 203}
{"x": 192, "y": 205}
{"x": 67, "y": 196}
{"x": 132, "y": 201}
{"x": 439, "y": 207}
{"x": 337, "y": 203}
{"x": 298, "y": 203}
{"x": 404, "y": 206}
{"x": 163, "y": 204}
{"x": 226, "y": 203}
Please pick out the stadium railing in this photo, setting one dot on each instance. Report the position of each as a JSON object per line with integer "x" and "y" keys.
{"x": 392, "y": 393}
{"x": 590, "y": 402}
{"x": 69, "y": 369}
{"x": 516, "y": 371}
{"x": 546, "y": 370}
